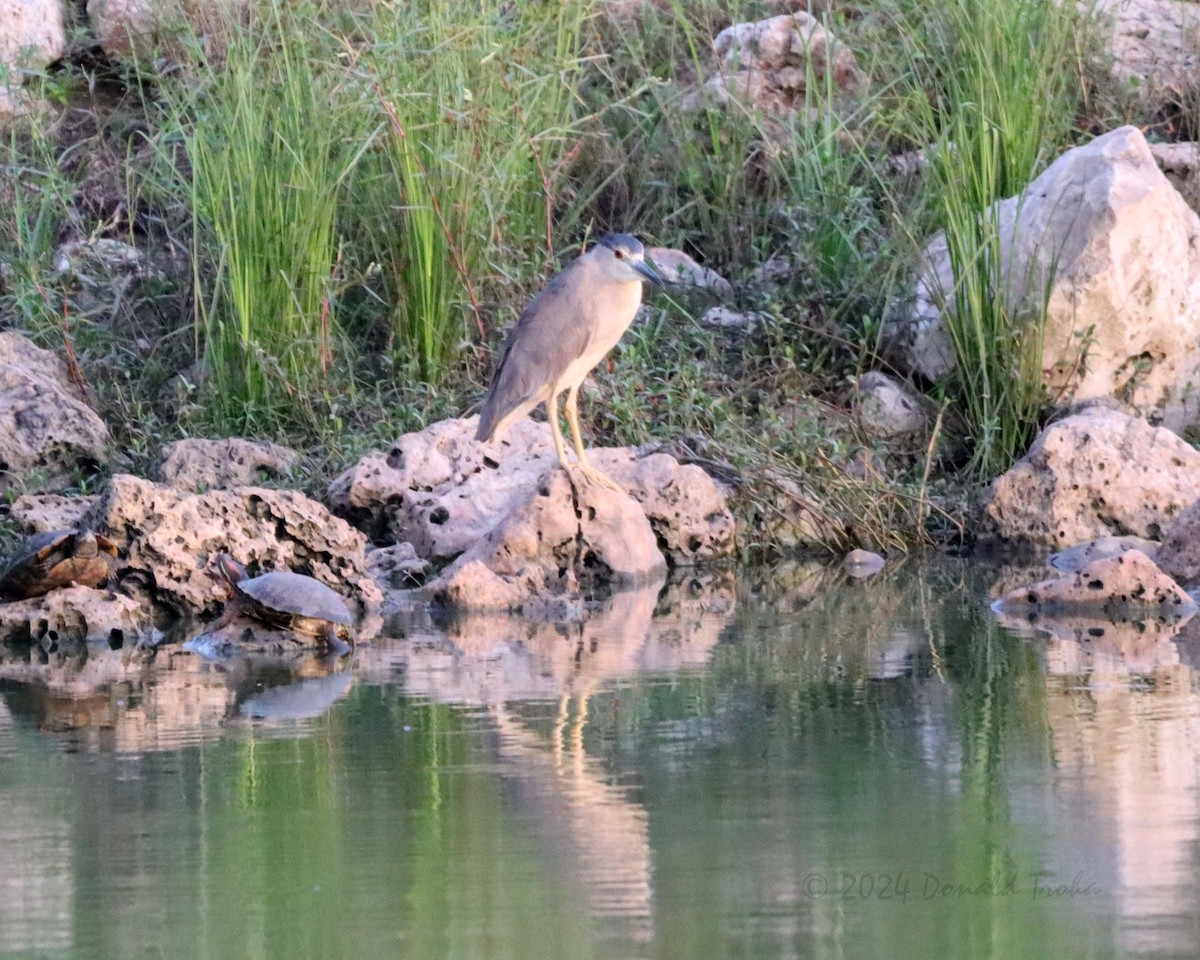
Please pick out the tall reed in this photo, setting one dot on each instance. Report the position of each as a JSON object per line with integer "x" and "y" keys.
{"x": 474, "y": 109}
{"x": 268, "y": 159}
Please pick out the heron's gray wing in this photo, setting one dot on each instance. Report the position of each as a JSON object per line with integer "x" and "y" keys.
{"x": 553, "y": 331}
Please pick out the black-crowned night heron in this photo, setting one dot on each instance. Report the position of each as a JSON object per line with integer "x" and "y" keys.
{"x": 564, "y": 332}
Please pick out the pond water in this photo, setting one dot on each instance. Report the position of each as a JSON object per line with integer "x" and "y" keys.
{"x": 800, "y": 766}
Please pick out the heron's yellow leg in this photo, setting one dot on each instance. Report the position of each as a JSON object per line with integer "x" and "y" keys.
{"x": 556, "y": 429}
{"x": 586, "y": 468}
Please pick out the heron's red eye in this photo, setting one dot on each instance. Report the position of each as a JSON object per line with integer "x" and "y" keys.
{"x": 618, "y": 254}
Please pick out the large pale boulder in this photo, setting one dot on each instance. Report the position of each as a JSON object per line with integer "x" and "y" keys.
{"x": 442, "y": 491}
{"x": 767, "y": 64}
{"x": 1123, "y": 314}
{"x": 169, "y": 537}
{"x": 1096, "y": 473}
{"x": 47, "y": 435}
{"x": 32, "y": 35}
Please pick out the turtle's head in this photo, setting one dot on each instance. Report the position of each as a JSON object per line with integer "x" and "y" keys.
{"x": 338, "y": 639}
{"x": 233, "y": 572}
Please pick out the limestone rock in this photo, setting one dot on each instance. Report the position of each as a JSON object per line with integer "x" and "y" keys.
{"x": 686, "y": 510}
{"x": 32, "y": 35}
{"x": 1120, "y": 587}
{"x": 170, "y": 537}
{"x": 474, "y": 585}
{"x": 1179, "y": 554}
{"x": 46, "y": 433}
{"x": 1180, "y": 164}
{"x": 75, "y": 615}
{"x": 677, "y": 267}
{"x": 1096, "y": 473}
{"x": 1155, "y": 46}
{"x": 442, "y": 491}
{"x": 766, "y": 64}
{"x": 792, "y": 517}
{"x": 560, "y": 533}
{"x": 43, "y": 512}
{"x": 887, "y": 410}
{"x": 439, "y": 489}
{"x": 723, "y": 318}
{"x": 195, "y": 464}
{"x": 1123, "y": 315}
{"x": 149, "y": 28}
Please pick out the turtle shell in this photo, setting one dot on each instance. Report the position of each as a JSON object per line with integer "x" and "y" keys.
{"x": 294, "y": 597}
{"x": 57, "y": 559}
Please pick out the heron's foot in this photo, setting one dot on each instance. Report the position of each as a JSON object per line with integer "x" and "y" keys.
{"x": 594, "y": 476}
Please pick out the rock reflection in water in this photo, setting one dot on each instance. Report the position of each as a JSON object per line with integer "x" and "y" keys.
{"x": 1123, "y": 716}
{"x": 92, "y": 698}
{"x": 481, "y": 658}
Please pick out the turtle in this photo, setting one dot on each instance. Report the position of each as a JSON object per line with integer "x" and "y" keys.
{"x": 56, "y": 559}
{"x": 287, "y": 601}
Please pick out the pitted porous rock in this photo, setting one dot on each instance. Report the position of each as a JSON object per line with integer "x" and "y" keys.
{"x": 43, "y": 512}
{"x": 559, "y": 535}
{"x": 172, "y": 536}
{"x": 686, "y": 509}
{"x": 75, "y": 615}
{"x": 1123, "y": 586}
{"x": 442, "y": 491}
{"x": 767, "y": 64}
{"x": 1093, "y": 474}
{"x": 46, "y": 433}
{"x": 199, "y": 464}
{"x": 1179, "y": 554}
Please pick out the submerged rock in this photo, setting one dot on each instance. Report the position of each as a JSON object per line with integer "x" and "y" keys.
{"x": 862, "y": 563}
{"x": 1126, "y": 586}
{"x": 1096, "y": 473}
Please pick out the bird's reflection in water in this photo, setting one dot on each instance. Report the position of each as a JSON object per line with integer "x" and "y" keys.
{"x": 594, "y": 831}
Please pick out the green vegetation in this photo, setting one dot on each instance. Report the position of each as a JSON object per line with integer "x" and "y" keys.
{"x": 340, "y": 212}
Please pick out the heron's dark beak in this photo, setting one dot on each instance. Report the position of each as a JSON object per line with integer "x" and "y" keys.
{"x": 647, "y": 271}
